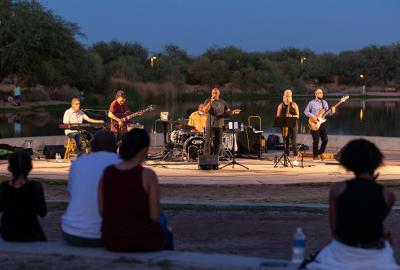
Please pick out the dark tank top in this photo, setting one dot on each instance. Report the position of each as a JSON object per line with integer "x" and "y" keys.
{"x": 127, "y": 225}
{"x": 291, "y": 109}
{"x": 360, "y": 210}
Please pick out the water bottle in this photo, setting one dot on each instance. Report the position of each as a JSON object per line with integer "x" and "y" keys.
{"x": 241, "y": 127}
{"x": 299, "y": 245}
{"x": 58, "y": 157}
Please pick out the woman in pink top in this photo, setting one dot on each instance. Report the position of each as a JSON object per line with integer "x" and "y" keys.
{"x": 129, "y": 201}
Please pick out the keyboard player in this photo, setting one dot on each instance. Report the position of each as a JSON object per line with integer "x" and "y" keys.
{"x": 75, "y": 115}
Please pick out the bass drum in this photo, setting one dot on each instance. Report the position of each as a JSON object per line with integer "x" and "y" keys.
{"x": 192, "y": 146}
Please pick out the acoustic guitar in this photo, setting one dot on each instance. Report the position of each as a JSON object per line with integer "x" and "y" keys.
{"x": 315, "y": 124}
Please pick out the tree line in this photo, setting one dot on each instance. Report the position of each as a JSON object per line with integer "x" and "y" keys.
{"x": 39, "y": 47}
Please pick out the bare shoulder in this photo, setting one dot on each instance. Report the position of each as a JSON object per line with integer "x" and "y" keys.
{"x": 390, "y": 197}
{"x": 149, "y": 175}
{"x": 337, "y": 189}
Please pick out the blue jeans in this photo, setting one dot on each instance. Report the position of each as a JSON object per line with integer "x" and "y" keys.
{"x": 168, "y": 234}
{"x": 78, "y": 140}
{"x": 77, "y": 241}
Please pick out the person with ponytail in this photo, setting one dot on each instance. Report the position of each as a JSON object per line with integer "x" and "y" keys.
{"x": 21, "y": 202}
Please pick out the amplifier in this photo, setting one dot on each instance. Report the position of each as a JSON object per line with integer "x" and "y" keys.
{"x": 250, "y": 142}
{"x": 208, "y": 162}
{"x": 50, "y": 151}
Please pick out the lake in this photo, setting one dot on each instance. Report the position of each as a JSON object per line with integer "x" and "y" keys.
{"x": 372, "y": 117}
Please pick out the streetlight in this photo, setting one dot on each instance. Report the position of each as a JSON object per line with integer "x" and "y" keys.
{"x": 153, "y": 60}
{"x": 362, "y": 77}
{"x": 303, "y": 59}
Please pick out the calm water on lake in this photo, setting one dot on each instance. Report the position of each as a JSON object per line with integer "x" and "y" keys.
{"x": 355, "y": 117}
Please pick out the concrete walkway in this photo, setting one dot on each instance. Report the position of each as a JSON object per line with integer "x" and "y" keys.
{"x": 240, "y": 204}
{"x": 261, "y": 172}
{"x": 178, "y": 258}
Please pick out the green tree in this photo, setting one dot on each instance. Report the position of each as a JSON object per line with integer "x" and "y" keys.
{"x": 38, "y": 46}
{"x": 113, "y": 50}
{"x": 232, "y": 56}
{"x": 199, "y": 71}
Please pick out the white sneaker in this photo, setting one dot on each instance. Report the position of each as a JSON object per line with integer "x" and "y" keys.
{"x": 295, "y": 163}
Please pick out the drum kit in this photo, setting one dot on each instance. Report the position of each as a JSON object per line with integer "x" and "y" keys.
{"x": 183, "y": 143}
{"x": 186, "y": 145}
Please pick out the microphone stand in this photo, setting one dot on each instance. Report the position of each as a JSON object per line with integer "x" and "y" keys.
{"x": 234, "y": 162}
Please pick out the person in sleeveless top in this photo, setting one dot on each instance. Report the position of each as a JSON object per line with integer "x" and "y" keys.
{"x": 289, "y": 108}
{"x": 357, "y": 211}
{"x": 129, "y": 201}
{"x": 21, "y": 202}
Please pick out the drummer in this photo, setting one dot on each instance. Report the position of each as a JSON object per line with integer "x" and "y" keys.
{"x": 198, "y": 119}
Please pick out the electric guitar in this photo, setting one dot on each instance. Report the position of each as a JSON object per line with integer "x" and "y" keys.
{"x": 125, "y": 117}
{"x": 315, "y": 124}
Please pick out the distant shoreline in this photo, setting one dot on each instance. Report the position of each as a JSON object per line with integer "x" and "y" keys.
{"x": 60, "y": 105}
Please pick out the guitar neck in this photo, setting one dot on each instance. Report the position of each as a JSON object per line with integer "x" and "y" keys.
{"x": 129, "y": 117}
{"x": 328, "y": 111}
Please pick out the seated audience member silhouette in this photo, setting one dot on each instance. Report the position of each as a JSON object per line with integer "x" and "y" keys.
{"x": 21, "y": 201}
{"x": 81, "y": 222}
{"x": 129, "y": 201}
{"x": 357, "y": 211}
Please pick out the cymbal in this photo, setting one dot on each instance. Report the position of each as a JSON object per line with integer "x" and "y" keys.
{"x": 183, "y": 126}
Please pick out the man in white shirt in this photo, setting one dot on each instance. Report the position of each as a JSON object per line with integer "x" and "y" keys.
{"x": 75, "y": 115}
{"x": 81, "y": 223}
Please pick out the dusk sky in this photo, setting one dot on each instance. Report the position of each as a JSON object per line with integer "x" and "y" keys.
{"x": 253, "y": 25}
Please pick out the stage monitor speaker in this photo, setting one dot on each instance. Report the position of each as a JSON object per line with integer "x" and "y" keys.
{"x": 208, "y": 162}
{"x": 50, "y": 151}
{"x": 250, "y": 143}
{"x": 273, "y": 141}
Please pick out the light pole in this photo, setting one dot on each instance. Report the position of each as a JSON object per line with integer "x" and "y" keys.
{"x": 362, "y": 77}
{"x": 153, "y": 60}
{"x": 302, "y": 61}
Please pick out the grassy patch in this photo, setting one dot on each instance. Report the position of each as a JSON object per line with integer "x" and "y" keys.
{"x": 165, "y": 264}
{"x": 58, "y": 183}
{"x": 7, "y": 110}
{"x": 57, "y": 206}
{"x": 50, "y": 107}
{"x": 234, "y": 208}
{"x": 61, "y": 206}
{"x": 312, "y": 185}
{"x": 126, "y": 260}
